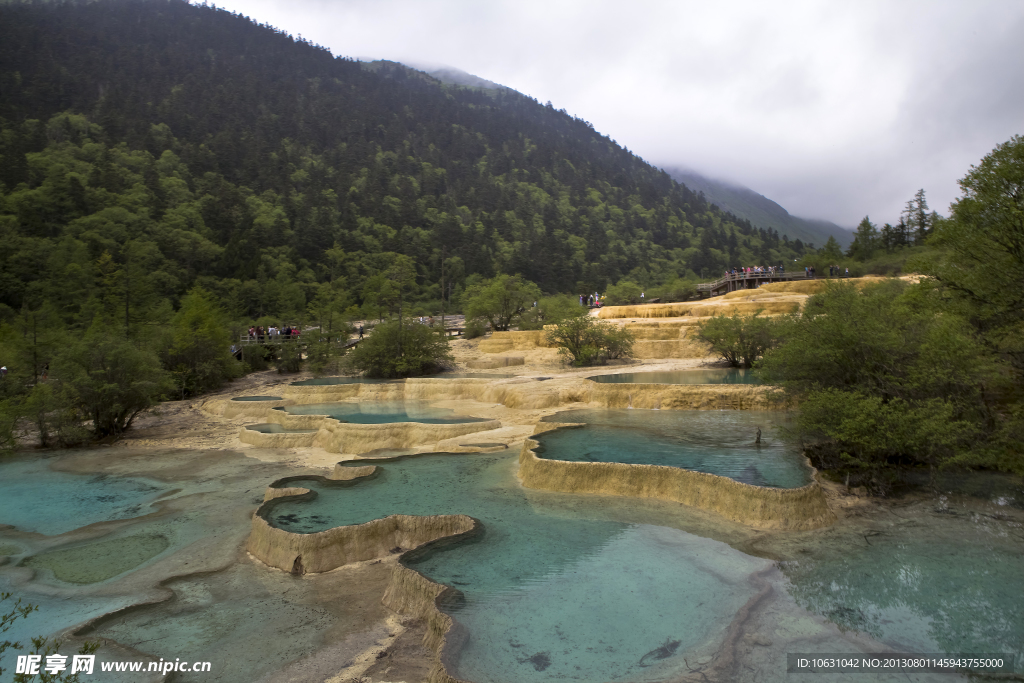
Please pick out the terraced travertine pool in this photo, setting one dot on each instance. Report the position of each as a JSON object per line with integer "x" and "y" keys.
{"x": 591, "y": 588}
{"x": 620, "y": 588}
{"x": 34, "y": 497}
{"x": 332, "y": 381}
{"x": 699, "y": 376}
{"x": 383, "y": 412}
{"x": 554, "y": 590}
{"x": 716, "y": 442}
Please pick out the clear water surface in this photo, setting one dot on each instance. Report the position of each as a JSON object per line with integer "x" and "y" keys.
{"x": 547, "y": 594}
{"x": 713, "y": 441}
{"x": 35, "y": 498}
{"x": 713, "y": 376}
{"x": 329, "y": 381}
{"x": 274, "y": 428}
{"x": 383, "y": 412}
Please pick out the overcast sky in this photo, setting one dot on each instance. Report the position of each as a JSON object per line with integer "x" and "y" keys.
{"x": 834, "y": 110}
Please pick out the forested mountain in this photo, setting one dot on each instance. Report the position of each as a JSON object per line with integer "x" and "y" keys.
{"x": 453, "y": 76}
{"x": 761, "y": 211}
{"x": 152, "y": 145}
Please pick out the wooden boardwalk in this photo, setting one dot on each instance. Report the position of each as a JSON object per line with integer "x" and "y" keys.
{"x": 731, "y": 283}
{"x": 303, "y": 340}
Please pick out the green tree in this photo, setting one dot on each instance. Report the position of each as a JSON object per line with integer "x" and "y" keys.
{"x": 51, "y": 409}
{"x": 582, "y": 339}
{"x": 501, "y": 300}
{"x": 394, "y": 351}
{"x": 550, "y": 310}
{"x": 866, "y": 241}
{"x": 198, "y": 354}
{"x": 831, "y": 252}
{"x": 976, "y": 267}
{"x": 740, "y": 340}
{"x": 625, "y": 292}
{"x": 982, "y": 249}
{"x": 112, "y": 380}
{"x": 884, "y": 378}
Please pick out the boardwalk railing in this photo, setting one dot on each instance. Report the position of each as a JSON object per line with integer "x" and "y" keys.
{"x": 732, "y": 282}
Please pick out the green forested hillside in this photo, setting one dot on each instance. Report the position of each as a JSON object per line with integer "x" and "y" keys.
{"x": 761, "y": 211}
{"x": 150, "y": 146}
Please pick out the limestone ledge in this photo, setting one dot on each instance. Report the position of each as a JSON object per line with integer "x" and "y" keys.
{"x": 333, "y": 548}
{"x": 769, "y": 305}
{"x": 412, "y": 594}
{"x": 681, "y": 396}
{"x": 409, "y": 592}
{"x": 341, "y": 472}
{"x": 230, "y": 409}
{"x": 348, "y": 437}
{"x": 513, "y": 392}
{"x": 646, "y": 349}
{"x": 272, "y": 492}
{"x": 756, "y": 506}
{"x": 263, "y": 440}
{"x": 515, "y": 340}
{"x": 494, "y": 363}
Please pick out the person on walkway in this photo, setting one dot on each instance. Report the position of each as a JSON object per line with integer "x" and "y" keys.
{"x": 360, "y": 331}
{"x": 3, "y": 372}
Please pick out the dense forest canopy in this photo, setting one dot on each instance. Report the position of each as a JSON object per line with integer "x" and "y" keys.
{"x": 151, "y": 146}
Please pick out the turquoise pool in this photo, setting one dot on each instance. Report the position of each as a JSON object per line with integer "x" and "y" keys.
{"x": 35, "y": 498}
{"x": 713, "y": 441}
{"x": 547, "y": 594}
{"x": 383, "y": 412}
{"x": 274, "y": 428}
{"x": 712, "y": 376}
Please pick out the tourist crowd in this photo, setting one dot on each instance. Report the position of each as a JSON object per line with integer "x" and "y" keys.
{"x": 258, "y": 333}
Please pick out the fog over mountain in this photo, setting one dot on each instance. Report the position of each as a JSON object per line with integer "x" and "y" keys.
{"x": 762, "y": 212}
{"x": 734, "y": 198}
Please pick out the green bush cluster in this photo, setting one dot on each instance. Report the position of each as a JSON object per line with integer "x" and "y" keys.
{"x": 401, "y": 349}
{"x": 583, "y": 340}
{"x": 740, "y": 340}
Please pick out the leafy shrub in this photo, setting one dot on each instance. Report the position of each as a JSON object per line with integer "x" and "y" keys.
{"x": 550, "y": 310}
{"x": 401, "y": 349}
{"x": 324, "y": 358}
{"x": 583, "y": 340}
{"x": 289, "y": 358}
{"x": 888, "y": 377}
{"x": 500, "y": 300}
{"x": 475, "y": 328}
{"x": 624, "y": 293}
{"x": 740, "y": 340}
{"x": 255, "y": 357}
{"x": 112, "y": 380}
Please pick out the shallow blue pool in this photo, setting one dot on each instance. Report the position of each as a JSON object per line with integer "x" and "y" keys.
{"x": 552, "y": 590}
{"x": 714, "y": 441}
{"x": 712, "y": 376}
{"x": 383, "y": 412}
{"x": 35, "y": 498}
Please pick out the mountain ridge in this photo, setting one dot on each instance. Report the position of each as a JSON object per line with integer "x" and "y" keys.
{"x": 761, "y": 211}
